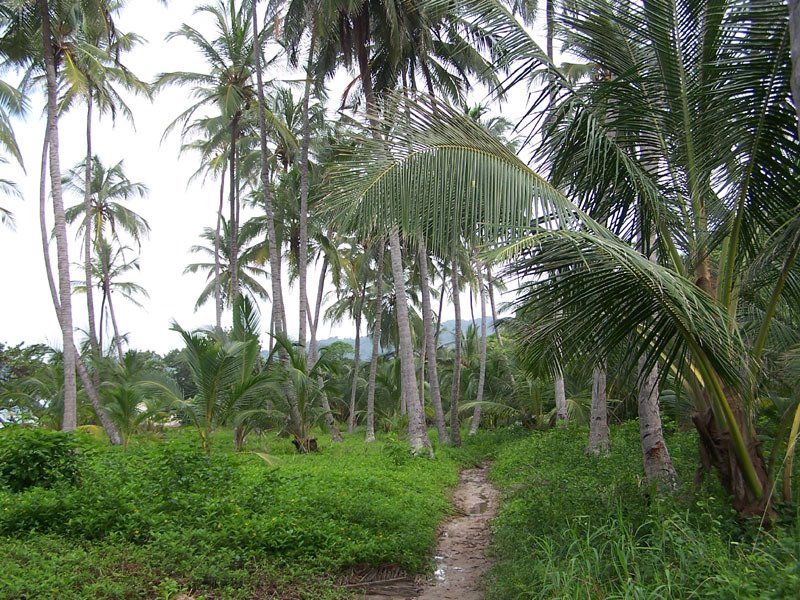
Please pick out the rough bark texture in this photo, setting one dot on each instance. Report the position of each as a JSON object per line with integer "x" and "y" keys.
{"x": 430, "y": 346}
{"x": 59, "y": 226}
{"x": 417, "y": 434}
{"x": 561, "y": 400}
{"x": 598, "y": 425}
{"x": 658, "y": 466}
{"x": 717, "y": 450}
{"x": 476, "y": 416}
{"x": 376, "y": 340}
{"x": 455, "y": 428}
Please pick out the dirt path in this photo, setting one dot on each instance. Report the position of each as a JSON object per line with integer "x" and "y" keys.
{"x": 460, "y": 556}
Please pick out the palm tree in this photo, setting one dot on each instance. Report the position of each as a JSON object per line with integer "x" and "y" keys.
{"x": 247, "y": 263}
{"x": 227, "y": 87}
{"x": 685, "y": 317}
{"x": 34, "y": 37}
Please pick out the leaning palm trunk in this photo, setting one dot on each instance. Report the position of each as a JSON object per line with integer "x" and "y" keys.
{"x": 59, "y": 225}
{"x": 234, "y": 218}
{"x": 87, "y": 240}
{"x": 376, "y": 341}
{"x": 455, "y": 428}
{"x": 476, "y": 416}
{"x": 327, "y": 415}
{"x": 430, "y": 346}
{"x": 490, "y": 291}
{"x": 598, "y": 425}
{"x": 417, "y": 435}
{"x": 88, "y": 385}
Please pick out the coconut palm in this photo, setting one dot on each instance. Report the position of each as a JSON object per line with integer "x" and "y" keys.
{"x": 600, "y": 288}
{"x": 248, "y": 264}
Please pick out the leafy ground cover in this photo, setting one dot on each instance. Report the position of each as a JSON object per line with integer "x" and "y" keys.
{"x": 574, "y": 526}
{"x": 165, "y": 518}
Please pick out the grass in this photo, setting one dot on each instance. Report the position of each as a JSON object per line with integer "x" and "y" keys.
{"x": 574, "y": 526}
{"x": 163, "y": 518}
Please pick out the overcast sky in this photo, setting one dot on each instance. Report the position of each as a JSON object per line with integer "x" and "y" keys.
{"x": 176, "y": 210}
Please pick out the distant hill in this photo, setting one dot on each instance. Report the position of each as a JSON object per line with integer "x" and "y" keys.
{"x": 446, "y": 337}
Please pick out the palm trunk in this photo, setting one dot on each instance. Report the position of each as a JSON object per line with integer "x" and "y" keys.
{"x": 561, "y": 399}
{"x": 233, "y": 224}
{"x": 217, "y": 266}
{"x": 417, "y": 434}
{"x": 455, "y": 429}
{"x": 376, "y": 340}
{"x": 490, "y": 286}
{"x": 278, "y": 313}
{"x": 87, "y": 240}
{"x": 60, "y": 226}
{"x": 351, "y": 419}
{"x": 439, "y": 314}
{"x": 476, "y": 417}
{"x": 658, "y": 468}
{"x": 48, "y": 267}
{"x": 303, "y": 251}
{"x": 327, "y": 414}
{"x": 430, "y": 346}
{"x": 598, "y": 425}
{"x": 117, "y": 337}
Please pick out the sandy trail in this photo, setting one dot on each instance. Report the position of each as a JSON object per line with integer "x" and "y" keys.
{"x": 460, "y": 555}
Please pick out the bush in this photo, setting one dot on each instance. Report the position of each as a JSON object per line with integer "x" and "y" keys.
{"x": 37, "y": 457}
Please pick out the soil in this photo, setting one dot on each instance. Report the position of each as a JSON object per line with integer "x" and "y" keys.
{"x": 461, "y": 561}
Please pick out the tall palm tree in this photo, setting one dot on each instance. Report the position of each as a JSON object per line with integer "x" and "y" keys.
{"x": 227, "y": 87}
{"x": 37, "y": 36}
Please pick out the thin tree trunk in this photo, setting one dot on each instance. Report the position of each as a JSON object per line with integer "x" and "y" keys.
{"x": 303, "y": 251}
{"x": 60, "y": 226}
{"x": 87, "y": 240}
{"x": 490, "y": 287}
{"x": 430, "y": 346}
{"x": 313, "y": 320}
{"x": 476, "y": 416}
{"x": 658, "y": 468}
{"x": 117, "y": 337}
{"x": 417, "y": 434}
{"x": 439, "y": 314}
{"x": 233, "y": 226}
{"x": 598, "y": 425}
{"x": 217, "y": 266}
{"x": 351, "y": 419}
{"x": 327, "y": 414}
{"x": 279, "y": 315}
{"x": 376, "y": 340}
{"x": 561, "y": 399}
{"x": 455, "y": 429}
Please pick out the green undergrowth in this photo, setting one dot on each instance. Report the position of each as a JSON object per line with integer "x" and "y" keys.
{"x": 164, "y": 518}
{"x": 574, "y": 526}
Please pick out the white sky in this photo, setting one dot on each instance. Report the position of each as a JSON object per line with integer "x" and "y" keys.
{"x": 176, "y": 211}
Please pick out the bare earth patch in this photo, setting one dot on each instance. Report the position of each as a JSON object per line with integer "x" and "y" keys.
{"x": 460, "y": 556}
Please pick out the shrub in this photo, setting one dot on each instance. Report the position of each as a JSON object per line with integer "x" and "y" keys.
{"x": 37, "y": 457}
